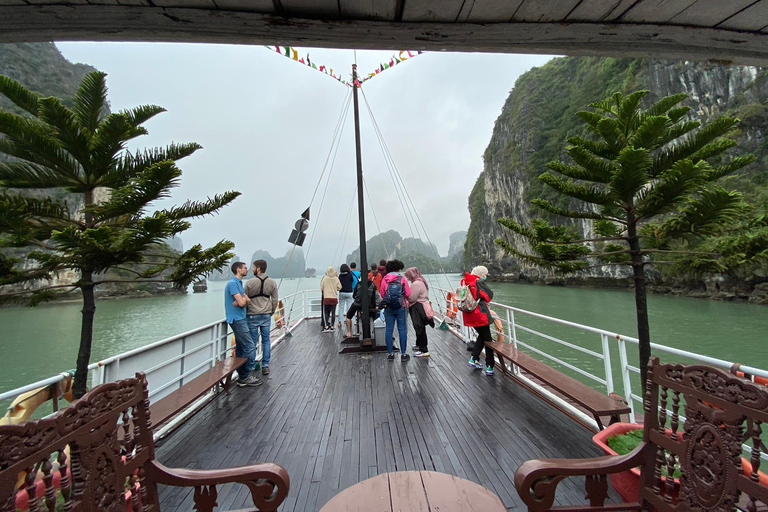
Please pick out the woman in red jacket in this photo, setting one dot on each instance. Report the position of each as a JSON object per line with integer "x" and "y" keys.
{"x": 480, "y": 319}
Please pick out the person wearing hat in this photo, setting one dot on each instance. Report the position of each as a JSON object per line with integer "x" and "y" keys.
{"x": 480, "y": 319}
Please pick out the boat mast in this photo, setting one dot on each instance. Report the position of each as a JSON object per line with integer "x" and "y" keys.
{"x": 366, "y": 320}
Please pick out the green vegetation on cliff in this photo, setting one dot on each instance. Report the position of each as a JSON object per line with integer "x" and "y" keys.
{"x": 539, "y": 116}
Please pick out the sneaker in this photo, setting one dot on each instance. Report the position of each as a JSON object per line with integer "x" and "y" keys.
{"x": 391, "y": 357}
{"x": 250, "y": 380}
{"x": 415, "y": 348}
{"x": 489, "y": 371}
{"x": 265, "y": 370}
{"x": 419, "y": 353}
{"x": 474, "y": 363}
{"x": 404, "y": 358}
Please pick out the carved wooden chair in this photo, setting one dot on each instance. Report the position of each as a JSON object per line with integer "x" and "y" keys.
{"x": 721, "y": 412}
{"x": 99, "y": 453}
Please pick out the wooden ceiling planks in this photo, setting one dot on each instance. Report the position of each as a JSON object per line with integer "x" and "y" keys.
{"x": 657, "y": 11}
{"x": 599, "y": 10}
{"x": 704, "y": 12}
{"x": 382, "y": 10}
{"x": 310, "y": 9}
{"x": 262, "y": 6}
{"x": 192, "y": 4}
{"x": 429, "y": 11}
{"x": 571, "y": 27}
{"x": 543, "y": 11}
{"x": 754, "y": 17}
{"x": 488, "y": 11}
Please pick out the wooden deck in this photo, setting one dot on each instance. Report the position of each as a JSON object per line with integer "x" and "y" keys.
{"x": 334, "y": 420}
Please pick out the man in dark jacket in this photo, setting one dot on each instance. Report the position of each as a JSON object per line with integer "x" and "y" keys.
{"x": 357, "y": 301}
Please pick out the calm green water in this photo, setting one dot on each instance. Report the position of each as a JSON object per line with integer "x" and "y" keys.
{"x": 39, "y": 342}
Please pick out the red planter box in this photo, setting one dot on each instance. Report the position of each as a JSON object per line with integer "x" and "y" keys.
{"x": 626, "y": 483}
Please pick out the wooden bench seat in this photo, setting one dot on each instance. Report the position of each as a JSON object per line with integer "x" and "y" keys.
{"x": 170, "y": 405}
{"x": 591, "y": 399}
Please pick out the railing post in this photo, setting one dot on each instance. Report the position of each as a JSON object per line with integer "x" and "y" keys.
{"x": 626, "y": 377}
{"x": 512, "y": 326}
{"x": 509, "y": 326}
{"x": 607, "y": 363}
{"x": 181, "y": 361}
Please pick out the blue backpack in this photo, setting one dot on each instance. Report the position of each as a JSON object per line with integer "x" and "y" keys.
{"x": 393, "y": 297}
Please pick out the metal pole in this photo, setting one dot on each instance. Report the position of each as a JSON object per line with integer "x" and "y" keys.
{"x": 361, "y": 218}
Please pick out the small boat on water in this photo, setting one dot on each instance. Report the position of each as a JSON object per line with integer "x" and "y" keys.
{"x": 200, "y": 286}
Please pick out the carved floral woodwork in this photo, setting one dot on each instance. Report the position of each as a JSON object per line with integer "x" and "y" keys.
{"x": 721, "y": 412}
{"x": 99, "y": 453}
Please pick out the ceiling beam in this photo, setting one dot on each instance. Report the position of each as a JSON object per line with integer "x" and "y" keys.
{"x": 133, "y": 23}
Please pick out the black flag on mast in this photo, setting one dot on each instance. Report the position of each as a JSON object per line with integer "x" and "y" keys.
{"x": 298, "y": 233}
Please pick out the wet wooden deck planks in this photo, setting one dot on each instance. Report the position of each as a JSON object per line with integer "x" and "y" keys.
{"x": 334, "y": 420}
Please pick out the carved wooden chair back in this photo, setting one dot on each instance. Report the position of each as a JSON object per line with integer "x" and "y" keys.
{"x": 93, "y": 451}
{"x": 722, "y": 411}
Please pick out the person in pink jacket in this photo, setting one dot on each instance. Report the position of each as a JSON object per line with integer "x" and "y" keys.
{"x": 394, "y": 291}
{"x": 416, "y": 301}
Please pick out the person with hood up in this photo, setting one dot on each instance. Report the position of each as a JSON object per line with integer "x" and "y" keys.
{"x": 419, "y": 296}
{"x": 394, "y": 291}
{"x": 329, "y": 287}
{"x": 480, "y": 319}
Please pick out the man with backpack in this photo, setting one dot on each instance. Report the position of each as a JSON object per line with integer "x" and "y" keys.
{"x": 262, "y": 290}
{"x": 394, "y": 291}
{"x": 473, "y": 296}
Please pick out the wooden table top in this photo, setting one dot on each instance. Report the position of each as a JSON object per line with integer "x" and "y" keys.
{"x": 412, "y": 491}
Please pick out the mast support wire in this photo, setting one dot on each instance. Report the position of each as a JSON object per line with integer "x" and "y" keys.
{"x": 397, "y": 177}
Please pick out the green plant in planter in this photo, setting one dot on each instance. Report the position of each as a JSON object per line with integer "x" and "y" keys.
{"x": 622, "y": 444}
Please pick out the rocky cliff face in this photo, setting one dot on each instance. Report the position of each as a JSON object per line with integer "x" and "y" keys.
{"x": 538, "y": 116}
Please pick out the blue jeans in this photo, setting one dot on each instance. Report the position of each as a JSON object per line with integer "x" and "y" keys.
{"x": 345, "y": 301}
{"x": 390, "y": 317}
{"x": 261, "y": 323}
{"x": 244, "y": 347}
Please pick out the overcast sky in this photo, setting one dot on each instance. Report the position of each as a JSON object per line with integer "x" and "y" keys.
{"x": 266, "y": 125}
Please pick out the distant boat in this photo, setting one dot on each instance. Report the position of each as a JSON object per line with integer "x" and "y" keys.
{"x": 200, "y": 286}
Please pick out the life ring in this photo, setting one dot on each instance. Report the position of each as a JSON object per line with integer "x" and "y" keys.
{"x": 279, "y": 315}
{"x": 451, "y": 308}
{"x": 498, "y": 327}
{"x": 25, "y": 404}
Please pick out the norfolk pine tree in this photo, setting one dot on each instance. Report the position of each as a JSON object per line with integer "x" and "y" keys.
{"x": 82, "y": 151}
{"x": 645, "y": 182}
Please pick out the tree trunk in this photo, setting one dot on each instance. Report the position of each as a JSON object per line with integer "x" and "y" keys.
{"x": 641, "y": 305}
{"x": 86, "y": 336}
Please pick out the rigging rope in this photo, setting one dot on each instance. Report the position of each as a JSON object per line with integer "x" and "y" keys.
{"x": 388, "y": 157}
{"x": 332, "y": 151}
{"x": 344, "y": 230}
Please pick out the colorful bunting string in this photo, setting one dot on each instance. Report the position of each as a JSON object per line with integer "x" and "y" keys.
{"x": 291, "y": 53}
{"x": 394, "y": 61}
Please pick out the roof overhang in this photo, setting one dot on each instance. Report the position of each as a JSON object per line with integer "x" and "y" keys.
{"x": 723, "y": 31}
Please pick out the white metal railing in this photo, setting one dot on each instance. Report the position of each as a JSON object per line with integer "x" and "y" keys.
{"x": 172, "y": 362}
{"x": 512, "y": 327}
